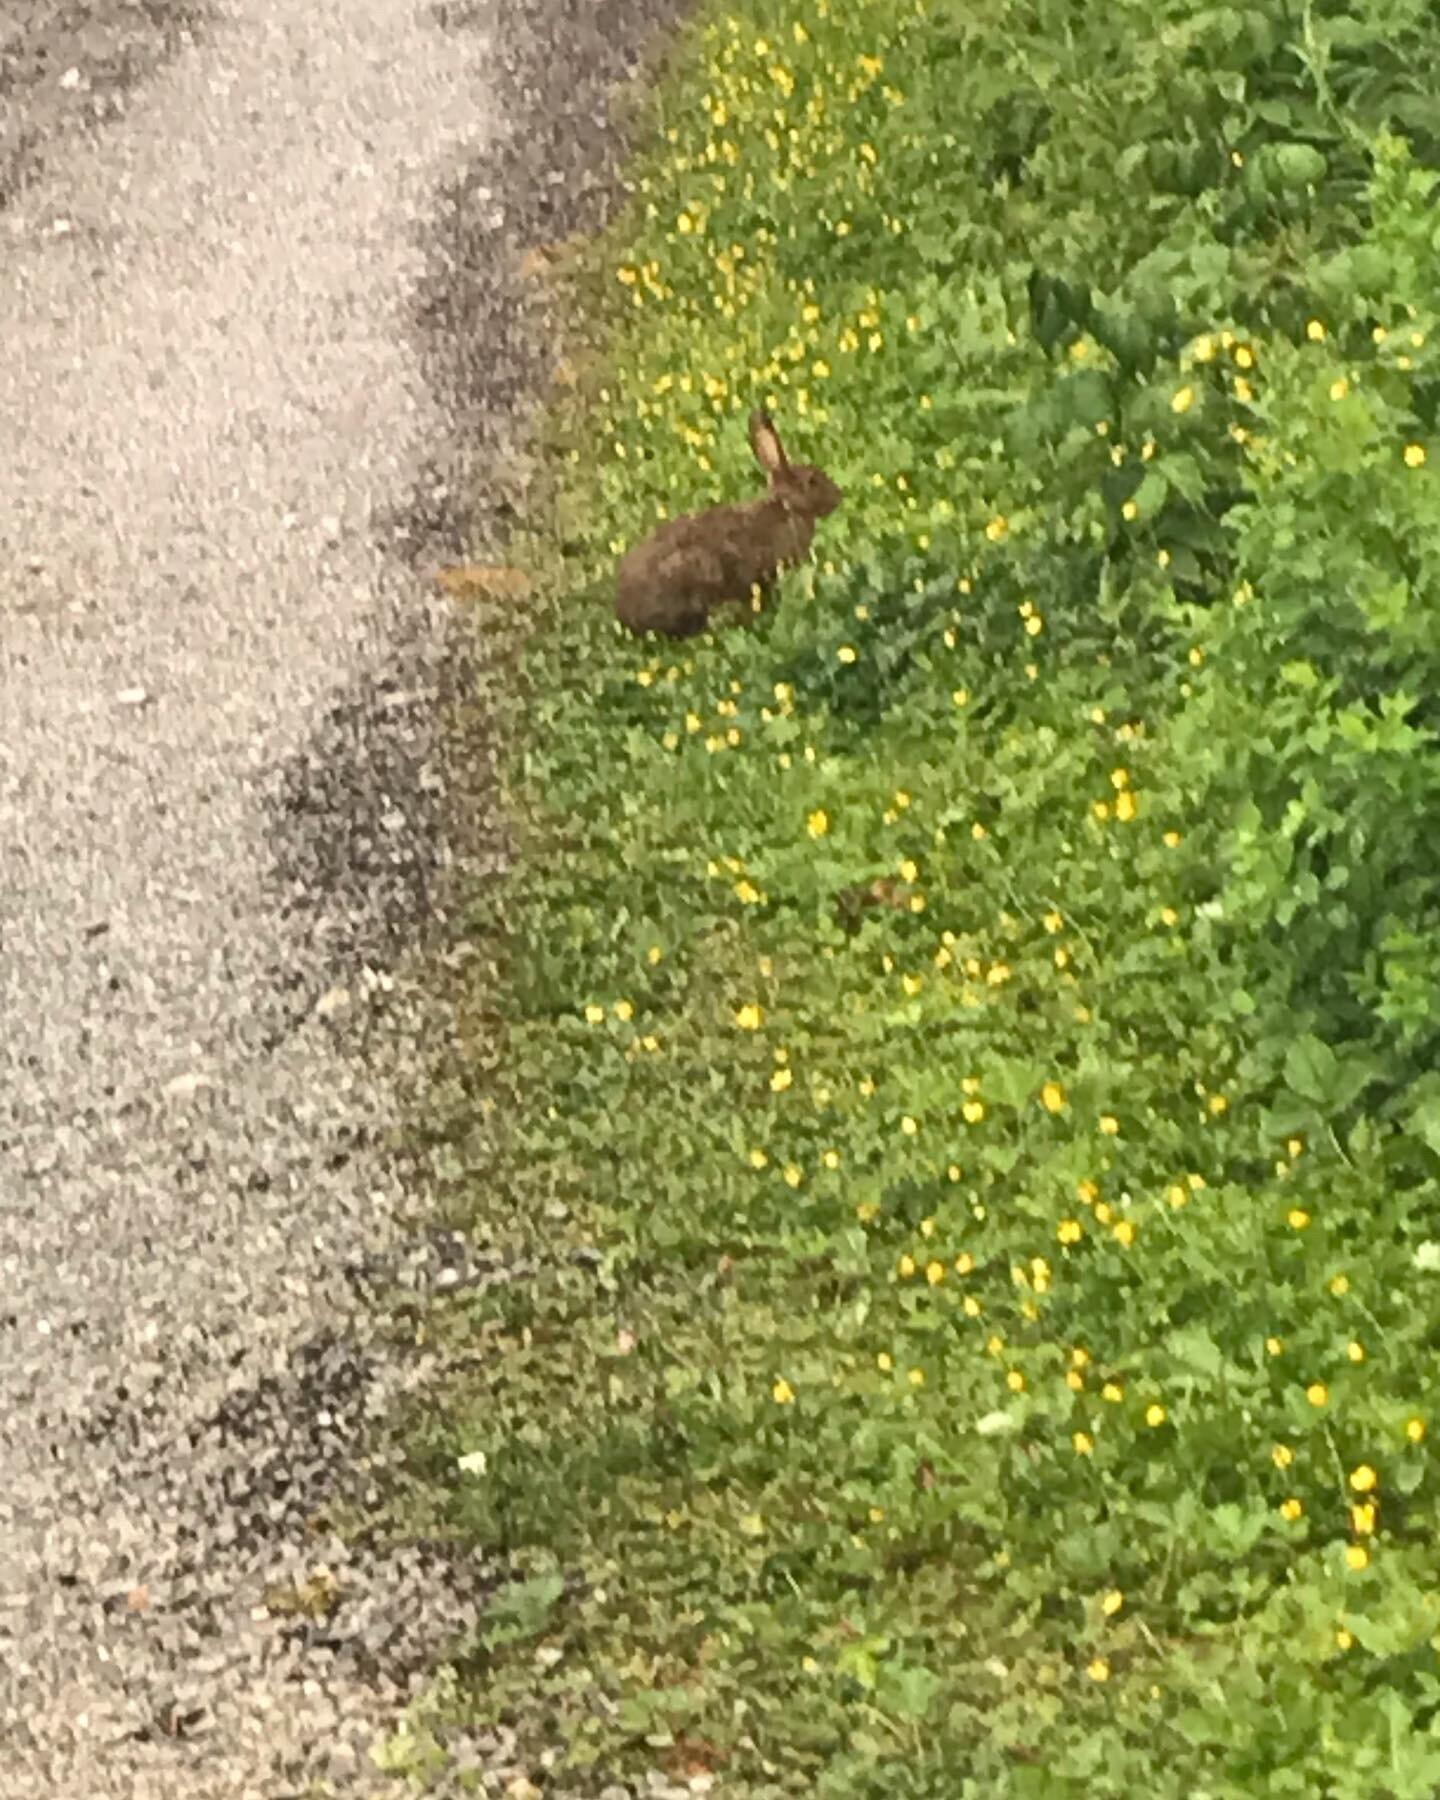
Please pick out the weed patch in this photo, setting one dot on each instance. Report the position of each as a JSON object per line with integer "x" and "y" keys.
{"x": 981, "y": 1023}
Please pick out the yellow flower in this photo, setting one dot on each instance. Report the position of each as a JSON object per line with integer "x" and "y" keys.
{"x": 1362, "y": 1519}
{"x": 1339, "y": 389}
{"x": 1124, "y": 1233}
{"x": 1244, "y": 357}
{"x": 934, "y": 1273}
{"x": 1111, "y": 1603}
{"x": 1315, "y": 331}
{"x": 1344, "y": 1639}
{"x": 747, "y": 893}
{"x": 794, "y": 1175}
{"x": 595, "y": 1015}
{"x": 1109, "y": 1124}
{"x": 1099, "y": 1670}
{"x": 964, "y": 1263}
{"x": 1069, "y": 1231}
{"x": 1291, "y": 1510}
{"x": 1357, "y": 1557}
{"x": 974, "y": 1111}
{"x": 997, "y": 528}
{"x": 817, "y": 824}
{"x": 783, "y": 1392}
{"x": 1182, "y": 400}
{"x": 1273, "y": 1346}
{"x": 1154, "y": 1415}
{"x": 909, "y": 1126}
{"x": 885, "y": 1362}
{"x": 1363, "y": 1478}
{"x": 1083, "y": 1443}
{"x": 624, "y": 1010}
{"x": 846, "y": 653}
{"x": 1317, "y": 1393}
{"x": 1282, "y": 1456}
{"x": 1244, "y": 393}
{"x": 1126, "y": 806}
{"x": 1052, "y": 1097}
{"x": 1414, "y": 456}
{"x": 1296, "y": 1219}
{"x": 781, "y": 1080}
{"x": 906, "y": 1267}
{"x": 831, "y": 1159}
{"x": 1415, "y": 1430}
{"x": 1355, "y": 1351}
{"x": 1015, "y": 1381}
{"x": 750, "y": 1018}
{"x": 758, "y": 1159}
{"x": 916, "y": 1377}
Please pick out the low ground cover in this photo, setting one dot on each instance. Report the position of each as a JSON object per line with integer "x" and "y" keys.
{"x": 967, "y": 1061}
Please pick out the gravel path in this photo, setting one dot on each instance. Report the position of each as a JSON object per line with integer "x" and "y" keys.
{"x": 264, "y": 339}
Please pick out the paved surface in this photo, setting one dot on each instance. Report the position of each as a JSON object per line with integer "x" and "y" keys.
{"x": 262, "y": 334}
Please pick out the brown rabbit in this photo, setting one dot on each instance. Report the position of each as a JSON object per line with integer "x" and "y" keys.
{"x": 674, "y": 579}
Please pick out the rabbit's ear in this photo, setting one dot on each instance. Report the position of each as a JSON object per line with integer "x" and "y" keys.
{"x": 765, "y": 442}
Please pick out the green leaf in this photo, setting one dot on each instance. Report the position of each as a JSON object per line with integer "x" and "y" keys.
{"x": 1196, "y": 1349}
{"x": 1424, "y": 1123}
{"x": 1299, "y": 165}
{"x": 1310, "y": 1068}
{"x": 1010, "y": 1081}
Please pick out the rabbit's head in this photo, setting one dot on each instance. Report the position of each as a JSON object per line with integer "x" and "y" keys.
{"x": 800, "y": 488}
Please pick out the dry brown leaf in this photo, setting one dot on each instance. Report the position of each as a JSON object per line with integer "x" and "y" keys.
{"x": 484, "y": 581}
{"x": 543, "y": 259}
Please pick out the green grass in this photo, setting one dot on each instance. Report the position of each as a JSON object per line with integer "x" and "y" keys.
{"x": 968, "y": 1044}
